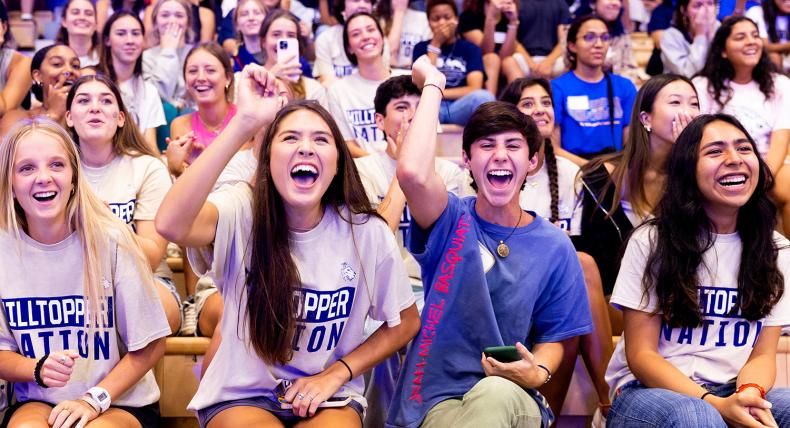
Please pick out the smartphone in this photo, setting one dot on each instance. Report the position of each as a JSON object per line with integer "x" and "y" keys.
{"x": 287, "y": 50}
{"x": 331, "y": 402}
{"x": 504, "y": 354}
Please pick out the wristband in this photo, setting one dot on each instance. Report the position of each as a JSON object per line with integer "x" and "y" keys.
{"x": 751, "y": 385}
{"x": 101, "y": 396}
{"x": 350, "y": 373}
{"x": 37, "y": 372}
{"x": 705, "y": 395}
{"x": 548, "y": 373}
{"x": 434, "y": 50}
{"x": 435, "y": 86}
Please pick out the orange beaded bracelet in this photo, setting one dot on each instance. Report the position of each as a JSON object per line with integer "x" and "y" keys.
{"x": 752, "y": 385}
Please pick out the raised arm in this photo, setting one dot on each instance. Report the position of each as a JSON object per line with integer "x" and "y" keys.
{"x": 416, "y": 170}
{"x": 184, "y": 216}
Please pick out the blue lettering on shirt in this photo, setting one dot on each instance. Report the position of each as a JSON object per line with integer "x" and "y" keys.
{"x": 722, "y": 325}
{"x": 363, "y": 121}
{"x": 124, "y": 210}
{"x": 321, "y": 318}
{"x": 61, "y": 324}
{"x": 343, "y": 70}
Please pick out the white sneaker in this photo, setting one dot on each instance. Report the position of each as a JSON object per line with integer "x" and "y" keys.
{"x": 189, "y": 323}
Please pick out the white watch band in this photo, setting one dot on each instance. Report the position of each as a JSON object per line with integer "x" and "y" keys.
{"x": 101, "y": 396}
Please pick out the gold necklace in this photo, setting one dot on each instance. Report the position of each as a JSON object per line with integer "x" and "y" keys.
{"x": 502, "y": 249}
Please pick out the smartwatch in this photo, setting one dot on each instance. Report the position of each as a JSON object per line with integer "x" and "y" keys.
{"x": 101, "y": 397}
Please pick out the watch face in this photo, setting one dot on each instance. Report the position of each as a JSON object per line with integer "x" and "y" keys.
{"x": 102, "y": 396}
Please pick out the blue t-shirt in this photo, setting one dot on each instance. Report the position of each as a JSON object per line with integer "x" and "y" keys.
{"x": 581, "y": 109}
{"x": 475, "y": 299}
{"x": 456, "y": 61}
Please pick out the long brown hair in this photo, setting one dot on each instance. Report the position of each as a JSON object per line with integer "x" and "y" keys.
{"x": 127, "y": 139}
{"x": 630, "y": 164}
{"x": 273, "y": 275}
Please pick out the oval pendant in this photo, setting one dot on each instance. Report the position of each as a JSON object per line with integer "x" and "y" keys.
{"x": 502, "y": 249}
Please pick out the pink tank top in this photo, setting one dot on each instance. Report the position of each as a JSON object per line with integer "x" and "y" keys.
{"x": 206, "y": 136}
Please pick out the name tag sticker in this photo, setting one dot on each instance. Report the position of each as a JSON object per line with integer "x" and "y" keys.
{"x": 578, "y": 102}
{"x": 499, "y": 37}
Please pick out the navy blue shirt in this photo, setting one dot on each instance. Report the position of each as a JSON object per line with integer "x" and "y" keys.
{"x": 456, "y": 61}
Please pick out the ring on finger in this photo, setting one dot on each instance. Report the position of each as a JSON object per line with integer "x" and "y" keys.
{"x": 311, "y": 397}
{"x": 300, "y": 396}
{"x": 62, "y": 359}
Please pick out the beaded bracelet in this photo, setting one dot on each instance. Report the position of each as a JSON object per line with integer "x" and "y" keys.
{"x": 37, "y": 372}
{"x": 752, "y": 385}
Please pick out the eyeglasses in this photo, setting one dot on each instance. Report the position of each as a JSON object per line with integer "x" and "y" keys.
{"x": 592, "y": 37}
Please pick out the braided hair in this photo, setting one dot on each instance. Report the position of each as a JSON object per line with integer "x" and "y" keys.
{"x": 512, "y": 95}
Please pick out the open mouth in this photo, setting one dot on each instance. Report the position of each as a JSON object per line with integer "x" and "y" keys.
{"x": 499, "y": 178}
{"x": 304, "y": 174}
{"x": 369, "y": 46}
{"x": 44, "y": 196}
{"x": 733, "y": 181}
{"x": 200, "y": 89}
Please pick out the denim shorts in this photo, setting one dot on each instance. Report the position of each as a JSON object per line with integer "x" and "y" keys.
{"x": 286, "y": 416}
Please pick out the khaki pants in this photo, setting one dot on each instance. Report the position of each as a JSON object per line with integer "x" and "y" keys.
{"x": 494, "y": 402}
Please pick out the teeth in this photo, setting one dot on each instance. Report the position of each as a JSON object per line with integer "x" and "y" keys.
{"x": 733, "y": 179}
{"x": 44, "y": 194}
{"x": 500, "y": 173}
{"x": 304, "y": 168}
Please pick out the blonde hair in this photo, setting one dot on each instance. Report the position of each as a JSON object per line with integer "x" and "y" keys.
{"x": 189, "y": 32}
{"x": 87, "y": 216}
{"x": 239, "y": 36}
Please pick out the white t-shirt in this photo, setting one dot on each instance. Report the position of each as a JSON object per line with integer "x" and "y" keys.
{"x": 716, "y": 351}
{"x": 536, "y": 196}
{"x": 755, "y": 13}
{"x": 377, "y": 171}
{"x": 344, "y": 281}
{"x": 240, "y": 168}
{"x": 350, "y": 101}
{"x": 133, "y": 187}
{"x": 760, "y": 116}
{"x": 415, "y": 30}
{"x": 42, "y": 291}
{"x": 165, "y": 69}
{"x": 330, "y": 57}
{"x": 143, "y": 103}
{"x": 89, "y": 60}
{"x": 782, "y": 29}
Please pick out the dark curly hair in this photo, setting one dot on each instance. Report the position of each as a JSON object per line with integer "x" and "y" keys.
{"x": 719, "y": 71}
{"x": 684, "y": 232}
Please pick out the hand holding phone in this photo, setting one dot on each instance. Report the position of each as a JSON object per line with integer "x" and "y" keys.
{"x": 504, "y": 354}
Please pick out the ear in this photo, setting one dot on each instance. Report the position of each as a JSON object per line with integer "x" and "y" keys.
{"x": 121, "y": 119}
{"x": 69, "y": 122}
{"x": 646, "y": 120}
{"x": 379, "y": 121}
{"x": 533, "y": 162}
{"x": 466, "y": 160}
{"x": 36, "y": 75}
{"x": 572, "y": 47}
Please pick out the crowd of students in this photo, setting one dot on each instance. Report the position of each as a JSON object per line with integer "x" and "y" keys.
{"x": 349, "y": 276}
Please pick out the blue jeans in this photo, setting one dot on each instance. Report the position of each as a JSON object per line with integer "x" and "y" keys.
{"x": 459, "y": 111}
{"x": 638, "y": 406}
